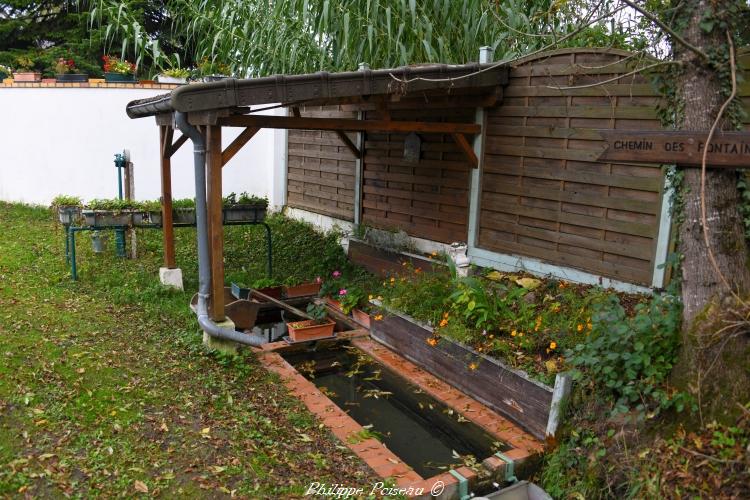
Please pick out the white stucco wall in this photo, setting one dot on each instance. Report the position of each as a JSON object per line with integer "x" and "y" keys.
{"x": 63, "y": 140}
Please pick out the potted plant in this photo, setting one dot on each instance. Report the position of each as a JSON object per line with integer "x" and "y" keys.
{"x": 266, "y": 286}
{"x": 295, "y": 288}
{"x": 173, "y": 75}
{"x": 354, "y": 301}
{"x": 113, "y": 212}
{"x": 211, "y": 71}
{"x": 183, "y": 211}
{"x": 66, "y": 72}
{"x": 68, "y": 208}
{"x": 25, "y": 70}
{"x": 330, "y": 289}
{"x": 244, "y": 208}
{"x": 118, "y": 70}
{"x": 5, "y": 72}
{"x": 319, "y": 327}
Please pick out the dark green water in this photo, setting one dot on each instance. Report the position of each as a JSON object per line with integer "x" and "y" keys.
{"x": 423, "y": 432}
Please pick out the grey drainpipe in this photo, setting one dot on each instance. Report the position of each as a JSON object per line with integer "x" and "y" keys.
{"x": 204, "y": 273}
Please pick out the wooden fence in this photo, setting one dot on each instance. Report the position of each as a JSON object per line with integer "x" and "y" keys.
{"x": 320, "y": 168}
{"x": 543, "y": 193}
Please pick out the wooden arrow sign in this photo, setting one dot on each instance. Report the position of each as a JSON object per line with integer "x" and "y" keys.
{"x": 727, "y": 149}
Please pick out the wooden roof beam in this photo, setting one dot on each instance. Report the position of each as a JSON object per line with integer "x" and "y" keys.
{"x": 346, "y": 124}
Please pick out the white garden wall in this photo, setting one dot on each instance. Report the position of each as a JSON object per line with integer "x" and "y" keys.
{"x": 63, "y": 140}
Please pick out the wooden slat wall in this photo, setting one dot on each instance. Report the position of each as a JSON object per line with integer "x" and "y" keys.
{"x": 544, "y": 195}
{"x": 429, "y": 198}
{"x": 321, "y": 168}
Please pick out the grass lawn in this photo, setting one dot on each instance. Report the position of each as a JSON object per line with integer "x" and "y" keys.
{"x": 105, "y": 389}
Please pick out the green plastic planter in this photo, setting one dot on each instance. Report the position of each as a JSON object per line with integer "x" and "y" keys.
{"x": 118, "y": 78}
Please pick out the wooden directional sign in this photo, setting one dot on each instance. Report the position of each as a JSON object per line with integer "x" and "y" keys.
{"x": 728, "y": 149}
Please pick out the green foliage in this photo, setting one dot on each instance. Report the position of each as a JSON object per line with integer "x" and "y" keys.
{"x": 300, "y": 36}
{"x": 183, "y": 203}
{"x": 112, "y": 204}
{"x": 479, "y": 305}
{"x": 570, "y": 470}
{"x": 629, "y": 358}
{"x": 244, "y": 199}
{"x": 176, "y": 72}
{"x": 318, "y": 312}
{"x": 264, "y": 283}
{"x": 62, "y": 200}
{"x": 351, "y": 297}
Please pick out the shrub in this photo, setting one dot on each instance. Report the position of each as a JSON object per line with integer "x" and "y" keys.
{"x": 629, "y": 358}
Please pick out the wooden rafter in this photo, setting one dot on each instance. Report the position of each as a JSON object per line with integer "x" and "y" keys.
{"x": 346, "y": 124}
{"x": 237, "y": 144}
{"x": 467, "y": 149}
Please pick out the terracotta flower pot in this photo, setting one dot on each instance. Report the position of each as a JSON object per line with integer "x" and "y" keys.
{"x": 303, "y": 290}
{"x": 333, "y": 303}
{"x": 27, "y": 76}
{"x": 302, "y": 331}
{"x": 361, "y": 317}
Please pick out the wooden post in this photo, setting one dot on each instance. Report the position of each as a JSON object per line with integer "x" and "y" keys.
{"x": 165, "y": 135}
{"x": 215, "y": 227}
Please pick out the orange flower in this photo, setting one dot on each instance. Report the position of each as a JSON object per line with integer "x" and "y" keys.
{"x": 378, "y": 317}
{"x": 513, "y": 333}
{"x": 393, "y": 280}
{"x": 580, "y": 327}
{"x": 553, "y": 345}
{"x": 443, "y": 322}
{"x": 417, "y": 270}
{"x": 432, "y": 341}
{"x": 472, "y": 366}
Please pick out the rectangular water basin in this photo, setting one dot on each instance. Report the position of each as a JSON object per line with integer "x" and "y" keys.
{"x": 426, "y": 434}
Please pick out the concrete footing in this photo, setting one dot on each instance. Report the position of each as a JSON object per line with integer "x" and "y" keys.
{"x": 171, "y": 277}
{"x": 221, "y": 345}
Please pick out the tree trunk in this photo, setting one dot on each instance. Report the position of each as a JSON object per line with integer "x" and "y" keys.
{"x": 713, "y": 368}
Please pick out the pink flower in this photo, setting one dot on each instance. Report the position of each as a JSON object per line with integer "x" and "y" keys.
{"x": 342, "y": 291}
{"x": 318, "y": 280}
{"x": 336, "y": 274}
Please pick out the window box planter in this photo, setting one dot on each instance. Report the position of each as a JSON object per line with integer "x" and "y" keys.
{"x": 119, "y": 78}
{"x": 3, "y": 75}
{"x": 302, "y": 290}
{"x": 304, "y": 331}
{"x": 244, "y": 213}
{"x": 72, "y": 78}
{"x": 335, "y": 304}
{"x": 100, "y": 218}
{"x": 170, "y": 79}
{"x": 146, "y": 218}
{"x": 244, "y": 293}
{"x": 27, "y": 76}
{"x": 510, "y": 392}
{"x": 183, "y": 216}
{"x": 68, "y": 214}
{"x": 362, "y": 317}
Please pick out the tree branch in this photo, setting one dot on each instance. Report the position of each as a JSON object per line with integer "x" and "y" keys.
{"x": 666, "y": 29}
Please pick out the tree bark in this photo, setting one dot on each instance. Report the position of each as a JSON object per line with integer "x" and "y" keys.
{"x": 705, "y": 363}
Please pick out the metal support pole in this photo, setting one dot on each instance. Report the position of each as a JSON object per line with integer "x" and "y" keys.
{"x": 72, "y": 240}
{"x": 120, "y": 163}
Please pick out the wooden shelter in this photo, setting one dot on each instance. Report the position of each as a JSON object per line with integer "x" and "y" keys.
{"x": 228, "y": 103}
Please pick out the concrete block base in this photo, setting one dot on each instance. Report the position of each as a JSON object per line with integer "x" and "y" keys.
{"x": 171, "y": 277}
{"x": 221, "y": 345}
